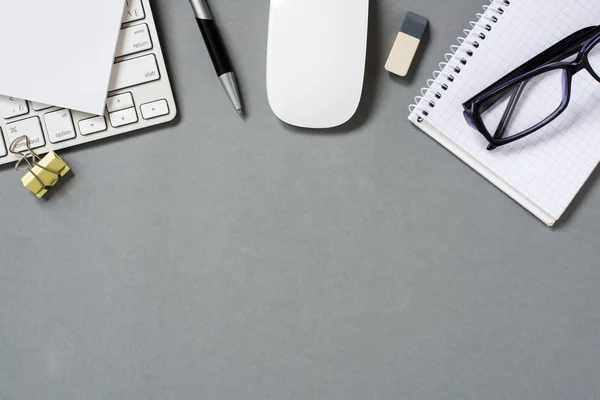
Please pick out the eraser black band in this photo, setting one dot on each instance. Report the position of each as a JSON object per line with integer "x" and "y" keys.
{"x": 414, "y": 25}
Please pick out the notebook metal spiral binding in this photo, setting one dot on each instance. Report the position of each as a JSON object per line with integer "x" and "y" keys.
{"x": 455, "y": 59}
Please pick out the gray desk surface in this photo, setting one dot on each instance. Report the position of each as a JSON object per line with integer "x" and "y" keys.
{"x": 218, "y": 258}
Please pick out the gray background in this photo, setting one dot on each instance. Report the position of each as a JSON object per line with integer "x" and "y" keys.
{"x": 221, "y": 258}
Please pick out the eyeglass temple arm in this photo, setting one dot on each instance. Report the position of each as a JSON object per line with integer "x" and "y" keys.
{"x": 508, "y": 113}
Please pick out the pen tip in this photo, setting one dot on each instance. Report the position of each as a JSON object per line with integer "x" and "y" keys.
{"x": 240, "y": 111}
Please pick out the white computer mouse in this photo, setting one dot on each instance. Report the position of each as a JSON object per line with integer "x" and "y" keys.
{"x": 316, "y": 56}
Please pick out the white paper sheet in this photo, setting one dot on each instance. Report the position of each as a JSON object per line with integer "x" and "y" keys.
{"x": 59, "y": 52}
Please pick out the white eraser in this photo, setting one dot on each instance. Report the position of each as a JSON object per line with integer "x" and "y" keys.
{"x": 406, "y": 44}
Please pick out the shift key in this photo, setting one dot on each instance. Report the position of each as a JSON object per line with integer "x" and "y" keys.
{"x": 134, "y": 72}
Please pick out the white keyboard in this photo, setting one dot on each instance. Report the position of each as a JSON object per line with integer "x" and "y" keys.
{"x": 139, "y": 96}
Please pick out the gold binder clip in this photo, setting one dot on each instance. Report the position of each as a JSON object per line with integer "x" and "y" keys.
{"x": 42, "y": 173}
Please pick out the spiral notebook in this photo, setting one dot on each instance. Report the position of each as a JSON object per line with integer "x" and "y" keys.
{"x": 544, "y": 171}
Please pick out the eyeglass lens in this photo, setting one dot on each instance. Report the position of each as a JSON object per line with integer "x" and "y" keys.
{"x": 525, "y": 105}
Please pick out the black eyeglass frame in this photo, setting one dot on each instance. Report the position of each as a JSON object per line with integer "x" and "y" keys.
{"x": 581, "y": 42}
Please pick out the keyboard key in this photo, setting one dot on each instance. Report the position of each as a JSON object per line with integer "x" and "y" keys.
{"x": 39, "y": 106}
{"x": 59, "y": 125}
{"x": 119, "y": 102}
{"x": 134, "y": 72}
{"x": 134, "y": 11}
{"x": 12, "y": 107}
{"x": 29, "y": 127}
{"x": 133, "y": 40}
{"x": 92, "y": 125}
{"x": 123, "y": 117}
{"x": 3, "y": 150}
{"x": 155, "y": 109}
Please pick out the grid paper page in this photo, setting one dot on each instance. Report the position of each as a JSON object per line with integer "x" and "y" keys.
{"x": 550, "y": 166}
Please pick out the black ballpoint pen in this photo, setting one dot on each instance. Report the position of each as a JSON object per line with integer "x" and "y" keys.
{"x": 216, "y": 49}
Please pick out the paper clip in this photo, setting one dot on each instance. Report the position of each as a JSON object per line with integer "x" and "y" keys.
{"x": 42, "y": 173}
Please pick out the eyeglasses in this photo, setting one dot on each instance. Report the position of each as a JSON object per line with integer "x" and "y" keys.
{"x": 536, "y": 93}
